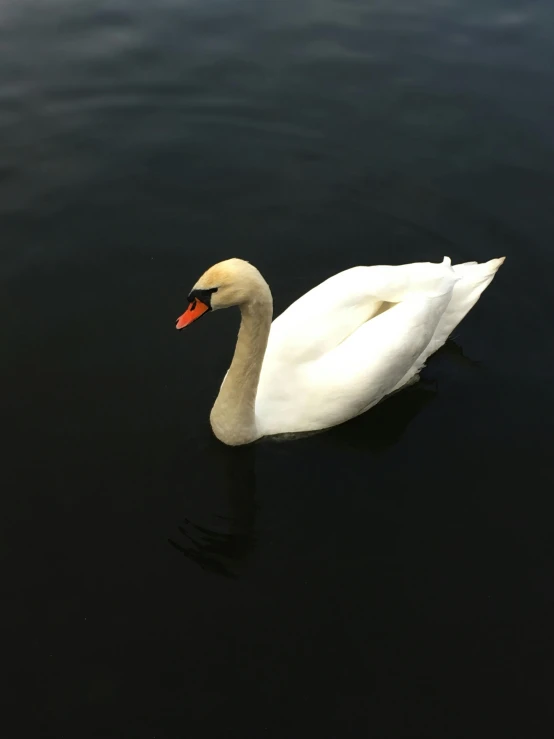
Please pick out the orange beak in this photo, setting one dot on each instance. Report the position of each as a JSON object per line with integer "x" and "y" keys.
{"x": 196, "y": 309}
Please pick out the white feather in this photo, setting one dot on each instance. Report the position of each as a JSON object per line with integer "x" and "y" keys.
{"x": 359, "y": 336}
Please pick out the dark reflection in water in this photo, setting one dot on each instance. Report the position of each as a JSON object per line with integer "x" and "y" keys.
{"x": 224, "y": 535}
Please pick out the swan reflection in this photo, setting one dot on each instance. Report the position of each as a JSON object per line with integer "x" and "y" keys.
{"x": 218, "y": 534}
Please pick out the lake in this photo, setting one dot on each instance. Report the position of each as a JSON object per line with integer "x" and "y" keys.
{"x": 391, "y": 577}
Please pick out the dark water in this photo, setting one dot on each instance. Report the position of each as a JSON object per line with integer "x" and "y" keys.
{"x": 393, "y": 577}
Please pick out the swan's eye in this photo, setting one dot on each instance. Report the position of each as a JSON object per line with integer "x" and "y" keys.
{"x": 204, "y": 295}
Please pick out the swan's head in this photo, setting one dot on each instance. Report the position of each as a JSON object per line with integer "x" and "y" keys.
{"x": 233, "y": 282}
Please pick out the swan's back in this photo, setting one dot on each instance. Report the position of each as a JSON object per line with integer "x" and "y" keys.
{"x": 332, "y": 311}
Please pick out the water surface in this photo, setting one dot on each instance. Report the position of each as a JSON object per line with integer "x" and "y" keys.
{"x": 392, "y": 577}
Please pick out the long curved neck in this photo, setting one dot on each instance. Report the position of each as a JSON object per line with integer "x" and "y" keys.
{"x": 233, "y": 417}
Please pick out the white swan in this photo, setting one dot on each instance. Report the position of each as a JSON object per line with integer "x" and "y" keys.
{"x": 335, "y": 352}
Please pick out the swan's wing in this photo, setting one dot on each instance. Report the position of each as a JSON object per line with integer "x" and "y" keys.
{"x": 321, "y": 371}
{"x": 354, "y": 375}
{"x": 331, "y": 312}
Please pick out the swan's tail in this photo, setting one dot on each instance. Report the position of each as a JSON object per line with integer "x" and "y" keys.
{"x": 474, "y": 279}
{"x": 479, "y": 273}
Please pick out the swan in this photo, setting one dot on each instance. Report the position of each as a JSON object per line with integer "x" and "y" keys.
{"x": 341, "y": 348}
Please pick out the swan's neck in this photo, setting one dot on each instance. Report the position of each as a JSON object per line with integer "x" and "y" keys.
{"x": 233, "y": 416}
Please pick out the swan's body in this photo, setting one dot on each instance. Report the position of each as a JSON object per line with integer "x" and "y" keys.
{"x": 339, "y": 349}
